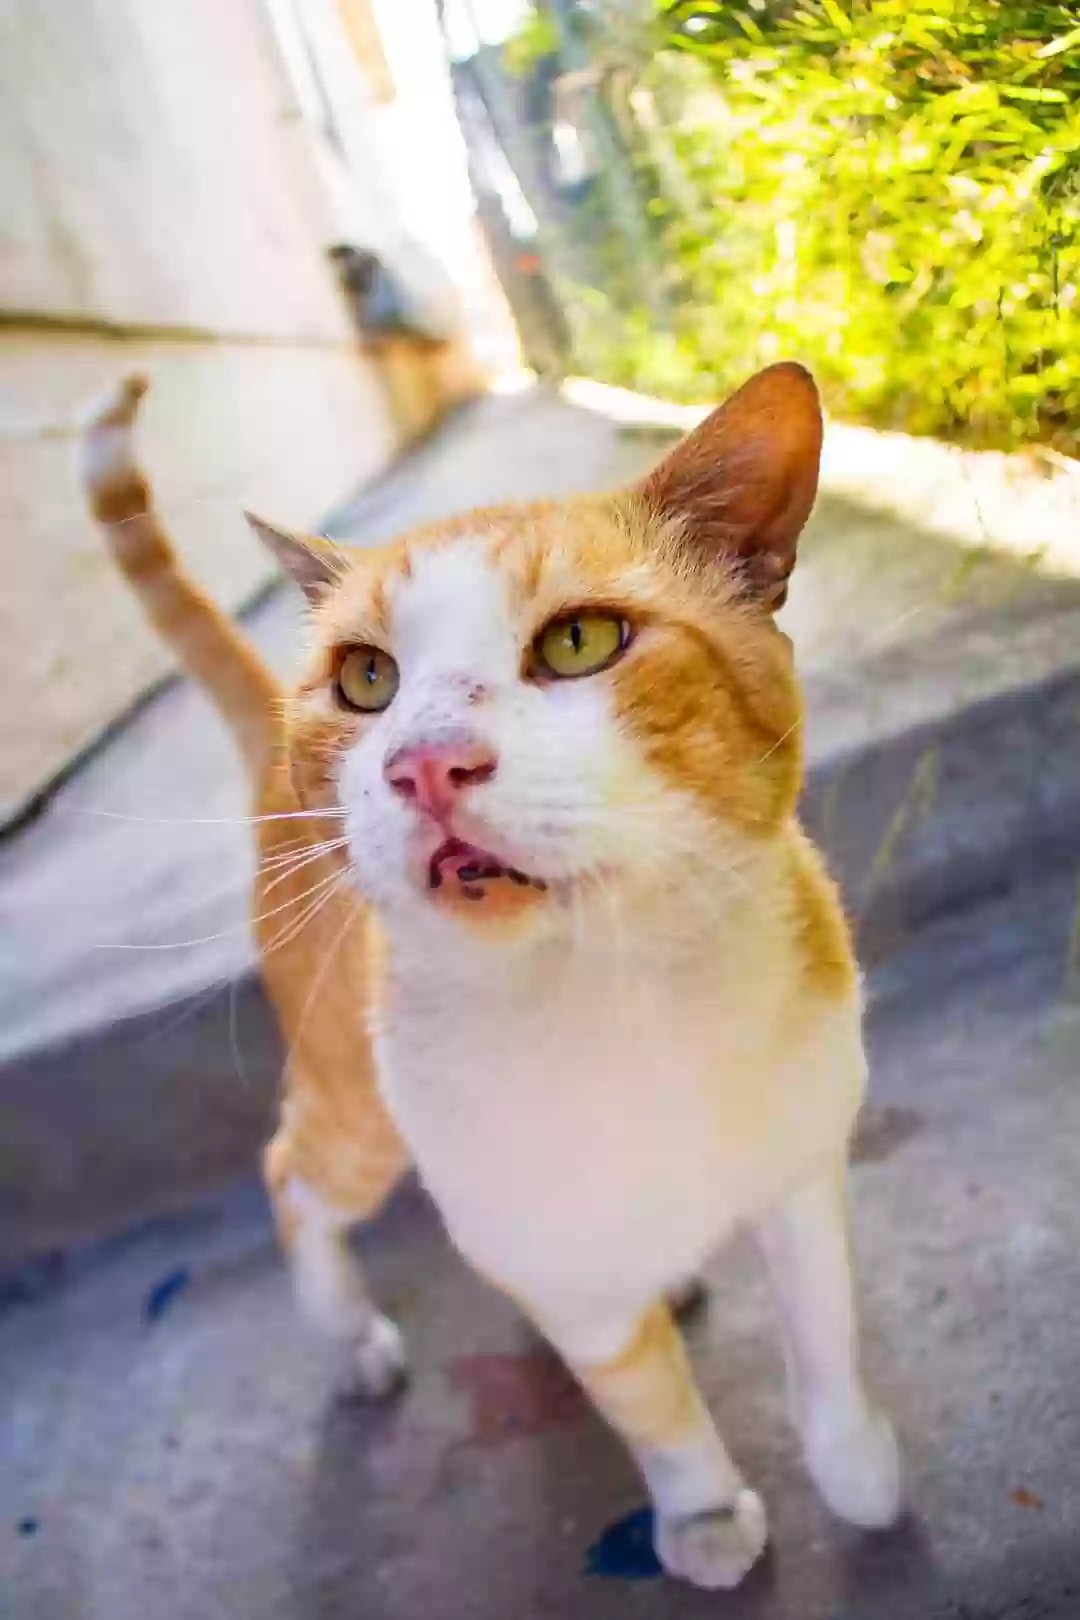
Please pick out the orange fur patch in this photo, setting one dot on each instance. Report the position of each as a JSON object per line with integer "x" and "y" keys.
{"x": 505, "y": 907}
{"x": 647, "y": 1392}
{"x": 701, "y": 720}
{"x": 824, "y": 939}
{"x": 335, "y": 1133}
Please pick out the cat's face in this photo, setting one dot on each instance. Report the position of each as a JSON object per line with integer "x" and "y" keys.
{"x": 534, "y": 710}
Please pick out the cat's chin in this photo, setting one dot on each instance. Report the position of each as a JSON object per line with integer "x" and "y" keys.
{"x": 502, "y": 910}
{"x": 497, "y": 904}
{"x": 484, "y": 890}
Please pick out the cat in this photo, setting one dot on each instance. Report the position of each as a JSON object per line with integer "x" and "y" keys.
{"x": 571, "y": 945}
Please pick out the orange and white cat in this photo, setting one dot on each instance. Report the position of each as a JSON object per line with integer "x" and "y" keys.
{"x": 573, "y": 947}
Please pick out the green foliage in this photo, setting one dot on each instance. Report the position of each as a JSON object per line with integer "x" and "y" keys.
{"x": 537, "y": 37}
{"x": 886, "y": 189}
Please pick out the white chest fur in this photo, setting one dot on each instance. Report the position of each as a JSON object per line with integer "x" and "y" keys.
{"x": 591, "y": 1128}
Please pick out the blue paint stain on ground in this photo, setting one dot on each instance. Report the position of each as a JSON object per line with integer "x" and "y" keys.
{"x": 163, "y": 1293}
{"x": 625, "y": 1550}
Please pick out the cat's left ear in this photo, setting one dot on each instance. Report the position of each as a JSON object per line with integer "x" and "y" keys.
{"x": 743, "y": 483}
{"x": 312, "y": 562}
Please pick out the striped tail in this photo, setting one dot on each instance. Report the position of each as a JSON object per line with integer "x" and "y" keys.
{"x": 205, "y": 639}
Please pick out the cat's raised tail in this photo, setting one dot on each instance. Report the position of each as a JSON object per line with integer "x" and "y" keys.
{"x": 206, "y": 641}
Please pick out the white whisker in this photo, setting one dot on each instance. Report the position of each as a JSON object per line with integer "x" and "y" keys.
{"x": 295, "y": 900}
{"x": 783, "y": 737}
{"x": 222, "y": 933}
{"x": 298, "y": 850}
{"x": 284, "y": 866}
{"x": 299, "y": 862}
{"x": 316, "y": 983}
{"x": 160, "y": 1031}
{"x": 211, "y": 821}
{"x": 292, "y": 929}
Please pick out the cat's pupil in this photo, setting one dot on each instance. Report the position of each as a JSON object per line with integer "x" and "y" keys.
{"x": 576, "y": 636}
{"x": 371, "y": 672}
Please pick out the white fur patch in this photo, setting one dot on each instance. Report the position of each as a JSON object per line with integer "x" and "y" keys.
{"x": 333, "y": 1296}
{"x": 452, "y": 618}
{"x": 592, "y": 1128}
{"x": 560, "y": 759}
{"x": 330, "y": 1287}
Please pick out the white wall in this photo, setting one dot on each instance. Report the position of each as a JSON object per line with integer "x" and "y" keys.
{"x": 151, "y": 172}
{"x": 165, "y": 207}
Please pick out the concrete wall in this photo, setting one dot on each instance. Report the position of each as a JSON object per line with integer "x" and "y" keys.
{"x": 151, "y": 171}
{"x": 167, "y": 200}
{"x": 281, "y": 429}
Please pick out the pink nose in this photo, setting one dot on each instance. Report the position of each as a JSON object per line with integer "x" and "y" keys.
{"x": 432, "y": 775}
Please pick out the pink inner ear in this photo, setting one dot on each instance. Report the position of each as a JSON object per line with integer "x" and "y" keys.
{"x": 743, "y": 483}
{"x": 312, "y": 562}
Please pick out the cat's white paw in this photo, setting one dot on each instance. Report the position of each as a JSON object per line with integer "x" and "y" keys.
{"x": 714, "y": 1550}
{"x": 856, "y": 1467}
{"x": 377, "y": 1364}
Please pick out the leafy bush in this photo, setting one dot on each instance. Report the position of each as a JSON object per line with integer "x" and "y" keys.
{"x": 887, "y": 189}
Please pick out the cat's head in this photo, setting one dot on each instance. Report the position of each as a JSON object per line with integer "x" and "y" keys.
{"x": 535, "y": 709}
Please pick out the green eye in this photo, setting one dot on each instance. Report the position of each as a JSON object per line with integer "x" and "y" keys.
{"x": 367, "y": 679}
{"x": 580, "y": 644}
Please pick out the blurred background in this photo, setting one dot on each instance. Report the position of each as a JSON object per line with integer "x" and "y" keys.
{"x": 384, "y": 260}
{"x": 888, "y": 190}
{"x": 660, "y": 196}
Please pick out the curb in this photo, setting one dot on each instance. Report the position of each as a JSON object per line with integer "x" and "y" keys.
{"x": 948, "y": 814}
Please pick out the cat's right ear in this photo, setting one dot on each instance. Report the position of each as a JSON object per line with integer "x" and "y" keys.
{"x": 741, "y": 485}
{"x": 310, "y": 561}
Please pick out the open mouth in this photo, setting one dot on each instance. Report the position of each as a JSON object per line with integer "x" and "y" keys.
{"x": 474, "y": 870}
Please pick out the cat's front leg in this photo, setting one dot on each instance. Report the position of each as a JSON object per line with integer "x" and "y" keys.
{"x": 849, "y": 1444}
{"x": 329, "y": 1284}
{"x": 710, "y": 1529}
